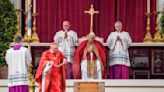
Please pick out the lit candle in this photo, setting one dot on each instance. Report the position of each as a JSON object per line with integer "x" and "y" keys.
{"x": 34, "y": 6}
{"x": 148, "y": 6}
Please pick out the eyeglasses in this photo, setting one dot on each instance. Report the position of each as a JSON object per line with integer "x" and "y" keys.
{"x": 66, "y": 25}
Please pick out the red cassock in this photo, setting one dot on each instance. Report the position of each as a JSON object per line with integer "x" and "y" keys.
{"x": 55, "y": 79}
{"x": 79, "y": 55}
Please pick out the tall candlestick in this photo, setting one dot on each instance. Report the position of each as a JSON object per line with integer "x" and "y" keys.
{"x": 148, "y": 37}
{"x": 148, "y": 6}
{"x": 18, "y": 33}
{"x": 34, "y": 6}
{"x": 35, "y": 37}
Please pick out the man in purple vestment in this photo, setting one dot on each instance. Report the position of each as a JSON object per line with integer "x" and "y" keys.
{"x": 18, "y": 58}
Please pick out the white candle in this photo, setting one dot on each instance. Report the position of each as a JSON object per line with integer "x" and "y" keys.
{"x": 34, "y": 6}
{"x": 160, "y": 5}
{"x": 18, "y": 4}
{"x": 29, "y": 1}
{"x": 29, "y": 5}
{"x": 148, "y": 6}
{"x": 29, "y": 32}
{"x": 26, "y": 5}
{"x": 157, "y": 5}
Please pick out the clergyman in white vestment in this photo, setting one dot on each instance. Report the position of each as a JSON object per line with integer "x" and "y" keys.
{"x": 67, "y": 39}
{"x": 118, "y": 43}
{"x": 18, "y": 58}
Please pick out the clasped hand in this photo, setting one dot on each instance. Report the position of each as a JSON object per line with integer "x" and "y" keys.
{"x": 118, "y": 39}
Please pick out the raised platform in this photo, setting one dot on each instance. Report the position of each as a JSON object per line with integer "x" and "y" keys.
{"x": 105, "y": 44}
{"x": 111, "y": 85}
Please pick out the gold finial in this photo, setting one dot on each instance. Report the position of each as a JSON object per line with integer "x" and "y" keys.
{"x": 91, "y": 12}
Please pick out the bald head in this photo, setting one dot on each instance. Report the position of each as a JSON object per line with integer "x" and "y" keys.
{"x": 91, "y": 34}
{"x": 118, "y": 26}
{"x": 66, "y": 25}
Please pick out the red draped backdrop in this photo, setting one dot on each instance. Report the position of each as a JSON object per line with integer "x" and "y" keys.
{"x": 131, "y": 12}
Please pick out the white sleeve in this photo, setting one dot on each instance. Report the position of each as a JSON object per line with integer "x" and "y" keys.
{"x": 127, "y": 41}
{"x": 7, "y": 57}
{"x": 58, "y": 38}
{"x": 28, "y": 57}
{"x": 75, "y": 38}
{"x": 111, "y": 41}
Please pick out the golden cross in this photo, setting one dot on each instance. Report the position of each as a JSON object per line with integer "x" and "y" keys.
{"x": 91, "y": 12}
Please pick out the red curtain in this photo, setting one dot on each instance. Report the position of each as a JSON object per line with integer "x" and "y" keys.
{"x": 131, "y": 12}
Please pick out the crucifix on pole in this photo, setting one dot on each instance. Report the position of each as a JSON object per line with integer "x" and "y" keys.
{"x": 91, "y": 12}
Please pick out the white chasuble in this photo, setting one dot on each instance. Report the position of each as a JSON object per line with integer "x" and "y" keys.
{"x": 18, "y": 61}
{"x": 66, "y": 45}
{"x": 119, "y": 50}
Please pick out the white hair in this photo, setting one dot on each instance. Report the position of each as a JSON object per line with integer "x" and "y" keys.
{"x": 92, "y": 34}
{"x": 118, "y": 22}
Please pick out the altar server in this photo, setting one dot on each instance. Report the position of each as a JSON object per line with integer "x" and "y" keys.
{"x": 118, "y": 43}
